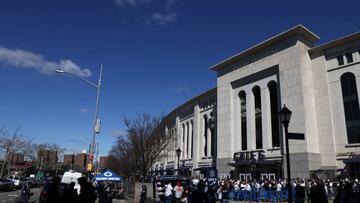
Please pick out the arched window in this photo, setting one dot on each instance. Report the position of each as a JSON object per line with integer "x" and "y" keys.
{"x": 275, "y": 133}
{"x": 258, "y": 123}
{"x": 351, "y": 107}
{"x": 205, "y": 134}
{"x": 242, "y": 96}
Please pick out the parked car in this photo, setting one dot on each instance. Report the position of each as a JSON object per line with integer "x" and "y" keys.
{"x": 38, "y": 182}
{"x": 17, "y": 180}
{"x": 33, "y": 182}
{"x": 6, "y": 185}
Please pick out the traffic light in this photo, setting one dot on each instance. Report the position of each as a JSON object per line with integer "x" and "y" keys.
{"x": 89, "y": 167}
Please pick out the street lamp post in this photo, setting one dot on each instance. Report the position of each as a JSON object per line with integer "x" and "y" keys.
{"x": 178, "y": 152}
{"x": 285, "y": 115}
{"x": 253, "y": 170}
{"x": 96, "y": 127}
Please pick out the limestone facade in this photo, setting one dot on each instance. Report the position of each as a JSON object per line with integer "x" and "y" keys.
{"x": 252, "y": 86}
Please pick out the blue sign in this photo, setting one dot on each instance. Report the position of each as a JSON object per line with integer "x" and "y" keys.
{"x": 108, "y": 175}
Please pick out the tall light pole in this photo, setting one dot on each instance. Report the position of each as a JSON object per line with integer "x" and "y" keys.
{"x": 96, "y": 127}
{"x": 96, "y": 158}
{"x": 285, "y": 115}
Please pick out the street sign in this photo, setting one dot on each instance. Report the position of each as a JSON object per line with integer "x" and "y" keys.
{"x": 108, "y": 175}
{"x": 296, "y": 136}
{"x": 97, "y": 126}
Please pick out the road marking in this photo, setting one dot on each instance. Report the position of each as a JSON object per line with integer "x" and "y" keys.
{"x": 13, "y": 195}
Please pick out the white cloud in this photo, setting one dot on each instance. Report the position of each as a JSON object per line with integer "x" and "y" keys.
{"x": 26, "y": 59}
{"x": 72, "y": 151}
{"x": 84, "y": 110}
{"x": 163, "y": 18}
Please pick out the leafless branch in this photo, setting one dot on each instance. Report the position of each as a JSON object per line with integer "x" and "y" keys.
{"x": 146, "y": 143}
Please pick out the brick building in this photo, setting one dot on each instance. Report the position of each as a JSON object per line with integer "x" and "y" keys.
{"x": 77, "y": 161}
{"x": 47, "y": 157}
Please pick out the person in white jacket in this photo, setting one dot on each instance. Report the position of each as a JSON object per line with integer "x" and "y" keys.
{"x": 168, "y": 193}
{"x": 179, "y": 190}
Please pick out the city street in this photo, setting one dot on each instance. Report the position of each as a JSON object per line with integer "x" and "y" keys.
{"x": 12, "y": 197}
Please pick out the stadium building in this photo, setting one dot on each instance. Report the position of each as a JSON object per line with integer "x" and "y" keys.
{"x": 234, "y": 128}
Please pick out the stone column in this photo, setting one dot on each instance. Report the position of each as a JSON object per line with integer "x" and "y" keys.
{"x": 266, "y": 118}
{"x": 250, "y": 121}
{"x": 185, "y": 140}
{"x": 196, "y": 138}
{"x": 208, "y": 137}
{"x": 182, "y": 140}
{"x": 237, "y": 124}
{"x": 190, "y": 138}
{"x": 173, "y": 154}
{"x": 181, "y": 143}
{"x": 358, "y": 87}
{"x": 178, "y": 138}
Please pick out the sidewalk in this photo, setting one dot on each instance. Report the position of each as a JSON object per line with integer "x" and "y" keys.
{"x": 128, "y": 199}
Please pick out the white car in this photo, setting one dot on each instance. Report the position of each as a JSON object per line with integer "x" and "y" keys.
{"x": 17, "y": 180}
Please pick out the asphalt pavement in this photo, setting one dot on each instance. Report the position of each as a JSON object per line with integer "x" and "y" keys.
{"x": 13, "y": 197}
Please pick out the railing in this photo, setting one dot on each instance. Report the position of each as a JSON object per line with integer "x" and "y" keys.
{"x": 268, "y": 195}
{"x": 262, "y": 195}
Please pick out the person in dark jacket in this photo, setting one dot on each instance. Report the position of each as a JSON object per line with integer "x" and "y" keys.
{"x": 318, "y": 193}
{"x": 300, "y": 192}
{"x": 143, "y": 194}
{"x": 103, "y": 195}
{"x": 53, "y": 190}
{"x": 25, "y": 193}
{"x": 197, "y": 192}
{"x": 87, "y": 191}
{"x": 70, "y": 194}
{"x": 154, "y": 187}
{"x": 211, "y": 196}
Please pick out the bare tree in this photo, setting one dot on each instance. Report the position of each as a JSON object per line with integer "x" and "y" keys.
{"x": 10, "y": 145}
{"x": 145, "y": 143}
{"x": 30, "y": 152}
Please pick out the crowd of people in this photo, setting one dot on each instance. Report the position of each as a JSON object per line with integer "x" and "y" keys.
{"x": 310, "y": 190}
{"x": 56, "y": 192}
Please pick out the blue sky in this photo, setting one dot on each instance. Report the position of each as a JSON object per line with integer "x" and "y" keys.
{"x": 156, "y": 55}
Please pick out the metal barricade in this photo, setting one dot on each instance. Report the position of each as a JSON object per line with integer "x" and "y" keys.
{"x": 261, "y": 195}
